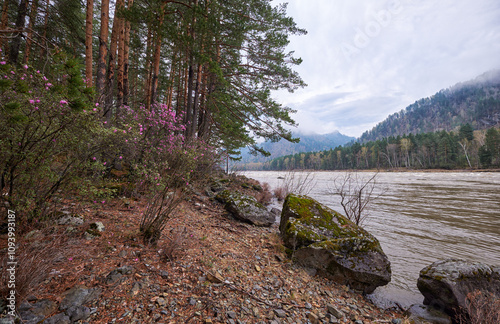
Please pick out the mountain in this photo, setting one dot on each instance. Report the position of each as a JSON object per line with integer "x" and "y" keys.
{"x": 308, "y": 143}
{"x": 476, "y": 102}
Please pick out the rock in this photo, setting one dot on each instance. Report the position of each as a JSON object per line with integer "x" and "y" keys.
{"x": 164, "y": 274}
{"x": 275, "y": 211}
{"x": 78, "y": 312}
{"x": 334, "y": 311}
{"x": 60, "y": 318}
{"x": 78, "y": 296}
{"x": 246, "y": 208}
{"x": 231, "y": 314}
{"x": 333, "y": 245}
{"x": 97, "y": 226}
{"x": 70, "y": 220}
{"x": 313, "y": 318}
{"x": 116, "y": 274}
{"x": 161, "y": 302}
{"x": 33, "y": 313}
{"x": 280, "y": 313}
{"x": 425, "y": 314}
{"x": 445, "y": 284}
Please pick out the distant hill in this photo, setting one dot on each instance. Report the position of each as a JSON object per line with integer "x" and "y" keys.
{"x": 308, "y": 143}
{"x": 476, "y": 102}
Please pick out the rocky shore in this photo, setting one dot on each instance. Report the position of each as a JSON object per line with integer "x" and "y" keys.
{"x": 208, "y": 268}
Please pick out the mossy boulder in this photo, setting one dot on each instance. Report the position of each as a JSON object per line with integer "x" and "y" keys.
{"x": 246, "y": 208}
{"x": 445, "y": 284}
{"x": 333, "y": 245}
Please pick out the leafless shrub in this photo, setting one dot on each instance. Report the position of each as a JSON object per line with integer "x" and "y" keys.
{"x": 299, "y": 183}
{"x": 35, "y": 260}
{"x": 158, "y": 213}
{"x": 185, "y": 165}
{"x": 280, "y": 193}
{"x": 264, "y": 196}
{"x": 356, "y": 193}
{"x": 178, "y": 241}
{"x": 482, "y": 307}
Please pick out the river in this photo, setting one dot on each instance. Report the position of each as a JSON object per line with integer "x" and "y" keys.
{"x": 419, "y": 218}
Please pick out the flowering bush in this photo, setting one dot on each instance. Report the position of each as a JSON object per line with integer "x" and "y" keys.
{"x": 163, "y": 161}
{"x": 47, "y": 131}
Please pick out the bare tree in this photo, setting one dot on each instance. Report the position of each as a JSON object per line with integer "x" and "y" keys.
{"x": 356, "y": 193}
{"x": 299, "y": 183}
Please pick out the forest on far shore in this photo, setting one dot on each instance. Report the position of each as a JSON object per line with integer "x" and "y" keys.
{"x": 458, "y": 149}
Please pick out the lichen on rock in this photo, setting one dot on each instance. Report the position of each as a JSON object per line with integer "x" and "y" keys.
{"x": 246, "y": 208}
{"x": 445, "y": 284}
{"x": 327, "y": 241}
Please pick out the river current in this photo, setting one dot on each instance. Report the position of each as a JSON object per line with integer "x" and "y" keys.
{"x": 419, "y": 218}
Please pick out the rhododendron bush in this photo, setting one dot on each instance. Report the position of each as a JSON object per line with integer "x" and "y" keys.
{"x": 52, "y": 134}
{"x": 164, "y": 161}
{"x": 47, "y": 131}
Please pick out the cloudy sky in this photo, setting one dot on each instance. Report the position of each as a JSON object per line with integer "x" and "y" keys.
{"x": 366, "y": 59}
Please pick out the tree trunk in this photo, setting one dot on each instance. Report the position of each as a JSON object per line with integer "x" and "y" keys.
{"x": 120, "y": 64}
{"x": 156, "y": 57}
{"x": 33, "y": 13}
{"x": 88, "y": 42}
{"x": 5, "y": 19}
{"x": 126, "y": 53}
{"x": 20, "y": 21}
{"x": 194, "y": 120}
{"x": 103, "y": 51}
{"x": 149, "y": 71}
{"x": 111, "y": 62}
{"x": 45, "y": 50}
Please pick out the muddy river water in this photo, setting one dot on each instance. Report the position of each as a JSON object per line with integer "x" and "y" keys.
{"x": 419, "y": 218}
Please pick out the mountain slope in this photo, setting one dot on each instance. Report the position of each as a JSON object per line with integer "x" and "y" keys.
{"x": 476, "y": 102}
{"x": 308, "y": 143}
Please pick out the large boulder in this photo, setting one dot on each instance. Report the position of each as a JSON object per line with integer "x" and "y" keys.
{"x": 445, "y": 284}
{"x": 246, "y": 208}
{"x": 333, "y": 245}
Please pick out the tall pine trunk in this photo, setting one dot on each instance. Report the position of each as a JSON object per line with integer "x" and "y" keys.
{"x": 126, "y": 54}
{"x": 120, "y": 65}
{"x": 156, "y": 57}
{"x": 103, "y": 51}
{"x": 148, "y": 67}
{"x": 110, "y": 77}
{"x": 88, "y": 42}
{"x": 29, "y": 38}
{"x": 5, "y": 19}
{"x": 20, "y": 21}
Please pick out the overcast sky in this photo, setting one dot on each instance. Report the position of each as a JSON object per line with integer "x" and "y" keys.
{"x": 366, "y": 59}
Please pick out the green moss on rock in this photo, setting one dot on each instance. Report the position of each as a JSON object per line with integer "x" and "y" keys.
{"x": 329, "y": 242}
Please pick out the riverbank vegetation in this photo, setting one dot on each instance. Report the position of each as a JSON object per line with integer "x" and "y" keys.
{"x": 144, "y": 100}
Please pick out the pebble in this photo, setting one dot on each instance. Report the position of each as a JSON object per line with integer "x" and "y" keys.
{"x": 280, "y": 313}
{"x": 313, "y": 318}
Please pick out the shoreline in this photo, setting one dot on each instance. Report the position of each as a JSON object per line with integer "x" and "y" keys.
{"x": 399, "y": 170}
{"x": 222, "y": 270}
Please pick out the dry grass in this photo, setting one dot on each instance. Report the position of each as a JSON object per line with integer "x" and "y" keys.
{"x": 177, "y": 243}
{"x": 35, "y": 260}
{"x": 481, "y": 308}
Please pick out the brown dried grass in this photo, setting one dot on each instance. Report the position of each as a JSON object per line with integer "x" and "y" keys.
{"x": 35, "y": 259}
